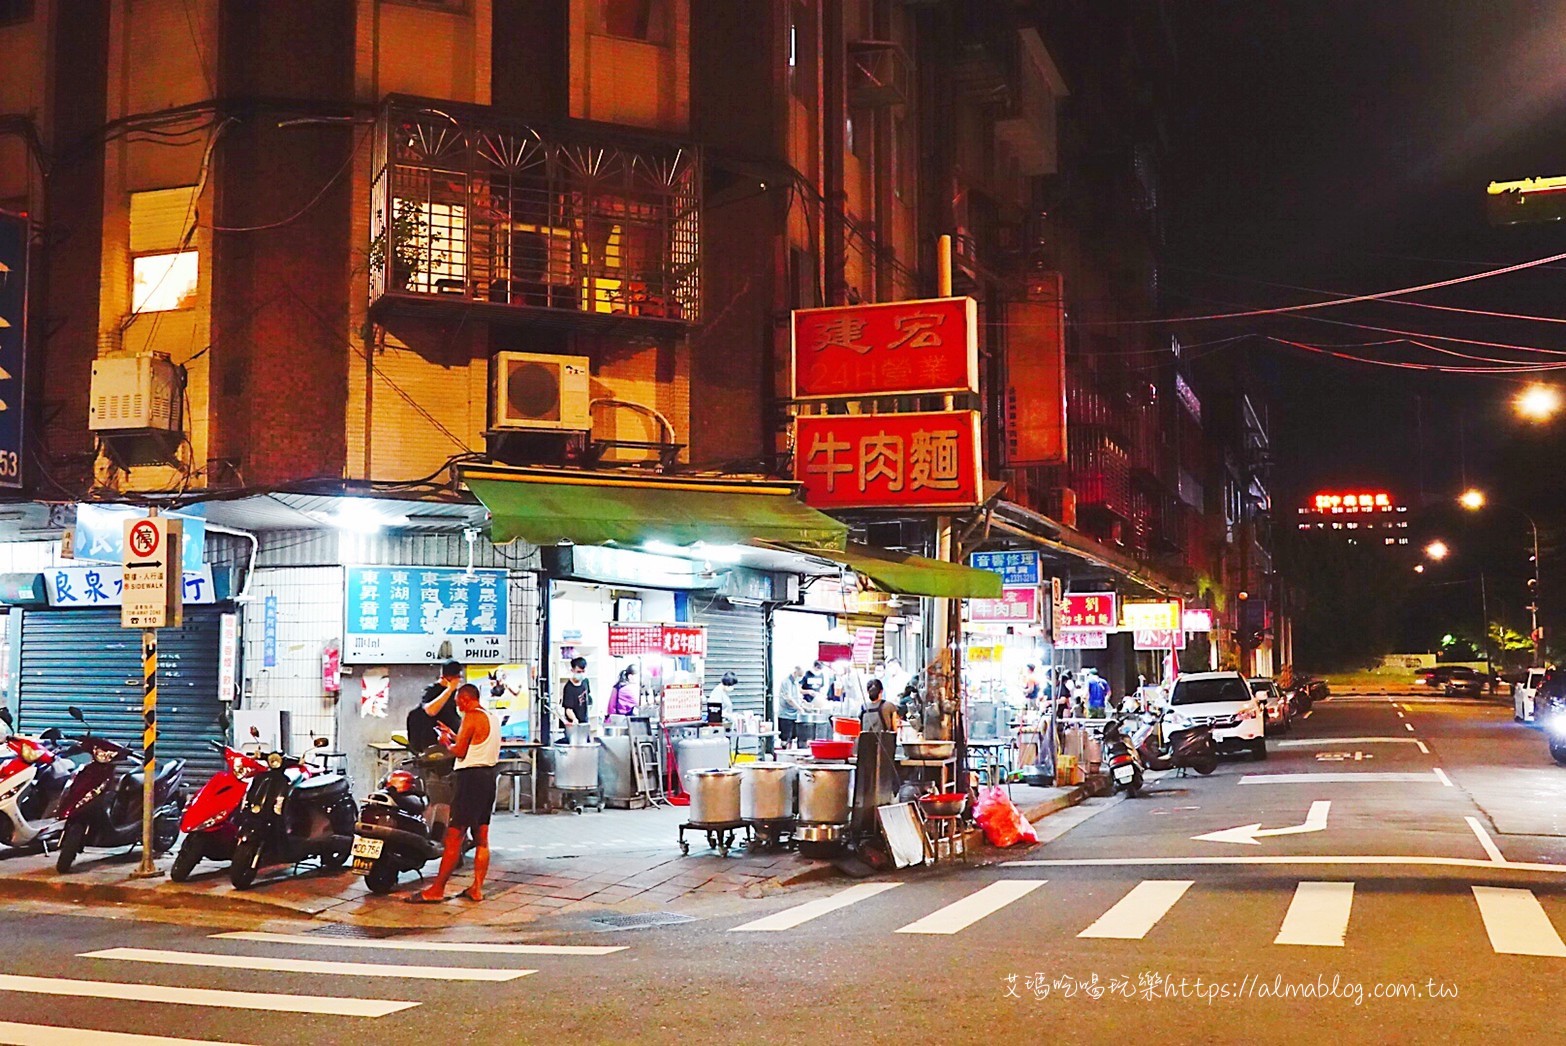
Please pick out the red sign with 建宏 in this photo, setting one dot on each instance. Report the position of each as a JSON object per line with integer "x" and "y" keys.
{"x": 893, "y": 348}
{"x": 1086, "y": 611}
{"x": 920, "y": 460}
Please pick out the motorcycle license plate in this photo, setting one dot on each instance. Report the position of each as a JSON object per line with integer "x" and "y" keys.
{"x": 1124, "y": 773}
{"x": 369, "y": 849}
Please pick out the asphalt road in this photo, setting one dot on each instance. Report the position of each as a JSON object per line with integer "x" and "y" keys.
{"x": 1436, "y": 869}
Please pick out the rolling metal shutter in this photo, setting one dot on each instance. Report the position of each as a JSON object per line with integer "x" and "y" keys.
{"x": 736, "y": 642}
{"x": 84, "y": 658}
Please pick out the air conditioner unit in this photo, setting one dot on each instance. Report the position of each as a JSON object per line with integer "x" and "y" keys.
{"x": 531, "y": 391}
{"x": 134, "y": 394}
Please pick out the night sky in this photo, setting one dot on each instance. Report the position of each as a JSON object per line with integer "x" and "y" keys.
{"x": 1346, "y": 146}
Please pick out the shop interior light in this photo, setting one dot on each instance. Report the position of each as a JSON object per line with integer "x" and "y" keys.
{"x": 362, "y": 516}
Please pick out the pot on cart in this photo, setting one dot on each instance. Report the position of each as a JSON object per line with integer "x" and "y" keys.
{"x": 715, "y": 796}
{"x": 825, "y": 792}
{"x": 576, "y": 766}
{"x": 767, "y": 791}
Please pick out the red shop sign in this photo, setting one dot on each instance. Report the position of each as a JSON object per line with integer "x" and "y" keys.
{"x": 1016, "y": 606}
{"x": 894, "y": 348}
{"x": 632, "y": 640}
{"x": 1087, "y": 611}
{"x": 921, "y": 460}
{"x": 685, "y": 640}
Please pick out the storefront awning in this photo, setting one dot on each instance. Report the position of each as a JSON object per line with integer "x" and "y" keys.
{"x": 548, "y": 507}
{"x": 908, "y": 575}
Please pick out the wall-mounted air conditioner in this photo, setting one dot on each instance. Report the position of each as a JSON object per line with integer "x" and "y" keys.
{"x": 134, "y": 394}
{"x": 532, "y": 391}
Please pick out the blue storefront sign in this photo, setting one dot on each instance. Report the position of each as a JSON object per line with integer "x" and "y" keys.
{"x": 1015, "y": 568}
{"x": 14, "y": 237}
{"x": 105, "y": 586}
{"x": 269, "y": 633}
{"x": 408, "y": 615}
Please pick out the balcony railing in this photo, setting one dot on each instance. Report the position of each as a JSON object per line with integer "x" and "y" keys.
{"x": 573, "y": 223}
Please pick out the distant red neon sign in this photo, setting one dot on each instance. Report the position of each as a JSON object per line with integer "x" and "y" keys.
{"x": 1358, "y": 501}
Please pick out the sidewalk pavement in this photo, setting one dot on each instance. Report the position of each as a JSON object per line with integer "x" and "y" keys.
{"x": 618, "y": 862}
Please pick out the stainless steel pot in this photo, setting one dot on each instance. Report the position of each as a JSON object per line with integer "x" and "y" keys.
{"x": 715, "y": 796}
{"x": 576, "y": 766}
{"x": 929, "y": 749}
{"x": 766, "y": 791}
{"x": 824, "y": 792}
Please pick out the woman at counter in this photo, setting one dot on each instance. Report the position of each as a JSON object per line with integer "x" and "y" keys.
{"x": 622, "y": 699}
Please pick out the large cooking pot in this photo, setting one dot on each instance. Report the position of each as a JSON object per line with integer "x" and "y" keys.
{"x": 824, "y": 793}
{"x": 576, "y": 766}
{"x": 715, "y": 796}
{"x": 766, "y": 791}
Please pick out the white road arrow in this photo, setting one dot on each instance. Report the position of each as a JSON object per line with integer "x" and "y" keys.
{"x": 1315, "y": 821}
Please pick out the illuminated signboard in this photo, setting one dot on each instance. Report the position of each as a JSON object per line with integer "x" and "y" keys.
{"x": 892, "y": 348}
{"x": 1086, "y": 611}
{"x": 1162, "y": 616}
{"x": 1336, "y": 502}
{"x": 919, "y": 460}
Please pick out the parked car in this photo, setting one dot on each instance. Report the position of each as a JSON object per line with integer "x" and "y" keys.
{"x": 1277, "y": 706}
{"x": 1223, "y": 701}
{"x": 1462, "y": 680}
{"x": 1435, "y": 677}
{"x": 1525, "y": 695}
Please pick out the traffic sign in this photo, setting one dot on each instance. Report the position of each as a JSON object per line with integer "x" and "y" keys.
{"x": 153, "y": 585}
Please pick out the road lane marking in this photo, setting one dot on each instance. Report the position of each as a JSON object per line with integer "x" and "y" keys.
{"x": 1400, "y": 715}
{"x": 1317, "y": 859}
{"x": 1440, "y": 773}
{"x": 322, "y": 966}
{"x": 1139, "y": 911}
{"x": 1422, "y": 747}
{"x": 1315, "y": 821}
{"x": 419, "y": 946}
{"x": 1409, "y": 727}
{"x": 1318, "y": 915}
{"x": 959, "y": 915}
{"x": 1516, "y": 922}
{"x": 325, "y": 1005}
{"x": 789, "y": 918}
{"x": 1332, "y": 742}
{"x": 1485, "y": 840}
{"x": 52, "y": 1035}
{"x": 1338, "y": 776}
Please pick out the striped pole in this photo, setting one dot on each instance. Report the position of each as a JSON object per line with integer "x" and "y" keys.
{"x": 149, "y": 739}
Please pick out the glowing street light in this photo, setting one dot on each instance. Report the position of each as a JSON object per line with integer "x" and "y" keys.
{"x": 1472, "y": 499}
{"x": 1437, "y": 550}
{"x": 1419, "y": 568}
{"x": 1538, "y": 402}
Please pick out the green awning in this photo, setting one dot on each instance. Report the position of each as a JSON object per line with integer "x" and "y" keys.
{"x": 550, "y": 508}
{"x": 908, "y": 575}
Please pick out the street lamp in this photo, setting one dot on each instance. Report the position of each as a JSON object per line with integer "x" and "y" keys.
{"x": 1538, "y": 402}
{"x": 1419, "y": 568}
{"x": 1473, "y": 500}
{"x": 1437, "y": 550}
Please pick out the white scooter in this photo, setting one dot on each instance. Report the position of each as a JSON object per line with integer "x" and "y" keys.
{"x": 34, "y": 773}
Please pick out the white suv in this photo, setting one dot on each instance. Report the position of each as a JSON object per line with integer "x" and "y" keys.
{"x": 1223, "y": 701}
{"x": 1525, "y": 694}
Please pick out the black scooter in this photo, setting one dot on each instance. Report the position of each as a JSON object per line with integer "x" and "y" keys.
{"x": 402, "y": 826}
{"x": 292, "y": 812}
{"x": 102, "y": 804}
{"x": 1187, "y": 747}
{"x": 1125, "y": 768}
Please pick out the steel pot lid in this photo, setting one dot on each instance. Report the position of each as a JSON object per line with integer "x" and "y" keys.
{"x": 714, "y": 773}
{"x": 826, "y": 768}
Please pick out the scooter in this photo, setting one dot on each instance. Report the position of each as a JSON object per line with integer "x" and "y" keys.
{"x": 402, "y": 826}
{"x": 287, "y": 817}
{"x": 34, "y": 774}
{"x": 102, "y": 805}
{"x": 1186, "y": 746}
{"x": 1125, "y": 768}
{"x": 209, "y": 825}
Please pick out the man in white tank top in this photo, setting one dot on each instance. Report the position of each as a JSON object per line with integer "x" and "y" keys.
{"x": 478, "y": 750}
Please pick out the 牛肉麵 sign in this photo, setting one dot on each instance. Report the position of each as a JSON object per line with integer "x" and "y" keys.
{"x": 920, "y": 460}
{"x": 892, "y": 348}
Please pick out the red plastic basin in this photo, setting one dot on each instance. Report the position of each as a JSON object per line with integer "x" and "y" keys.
{"x": 831, "y": 749}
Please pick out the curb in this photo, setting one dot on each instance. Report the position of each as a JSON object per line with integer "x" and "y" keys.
{"x": 70, "y": 892}
{"x": 1060, "y": 802}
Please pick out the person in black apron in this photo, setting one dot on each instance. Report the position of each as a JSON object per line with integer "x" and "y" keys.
{"x": 879, "y": 715}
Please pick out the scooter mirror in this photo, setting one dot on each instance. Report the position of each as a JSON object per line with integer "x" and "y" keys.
{"x": 321, "y": 742}
{"x": 255, "y": 732}
{"x": 5, "y": 716}
{"x": 76, "y": 714}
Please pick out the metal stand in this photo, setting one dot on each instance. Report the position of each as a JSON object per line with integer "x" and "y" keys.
{"x": 644, "y": 768}
{"x": 775, "y": 834}
{"x": 576, "y": 798}
{"x": 720, "y": 836}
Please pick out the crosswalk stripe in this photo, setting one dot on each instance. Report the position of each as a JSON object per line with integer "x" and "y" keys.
{"x": 789, "y": 918}
{"x": 326, "y": 1005}
{"x": 345, "y": 969}
{"x": 394, "y": 944}
{"x": 959, "y": 915}
{"x": 1139, "y": 911}
{"x": 51, "y": 1035}
{"x": 1318, "y": 915}
{"x": 1516, "y": 922}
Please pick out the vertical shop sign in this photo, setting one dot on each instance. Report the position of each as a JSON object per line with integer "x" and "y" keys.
{"x": 269, "y": 633}
{"x": 1036, "y": 375}
{"x": 14, "y": 238}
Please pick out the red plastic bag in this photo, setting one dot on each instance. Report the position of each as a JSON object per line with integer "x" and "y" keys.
{"x": 1003, "y": 824}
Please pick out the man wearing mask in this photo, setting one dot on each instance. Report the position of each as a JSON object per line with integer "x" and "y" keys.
{"x": 575, "y": 695}
{"x": 788, "y": 707}
{"x": 813, "y": 692}
{"x": 437, "y": 709}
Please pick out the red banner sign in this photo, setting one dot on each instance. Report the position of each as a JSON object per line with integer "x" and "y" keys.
{"x": 1086, "y": 611}
{"x": 1017, "y": 606}
{"x": 922, "y": 460}
{"x": 894, "y": 348}
{"x": 685, "y": 640}
{"x": 637, "y": 639}
{"x": 1036, "y": 375}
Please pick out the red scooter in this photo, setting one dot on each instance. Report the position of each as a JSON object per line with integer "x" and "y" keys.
{"x": 208, "y": 822}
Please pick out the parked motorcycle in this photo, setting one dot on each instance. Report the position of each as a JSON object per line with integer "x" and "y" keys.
{"x": 34, "y": 774}
{"x": 1125, "y": 768}
{"x": 1186, "y": 746}
{"x": 288, "y": 816}
{"x": 208, "y": 823}
{"x": 102, "y": 805}
{"x": 402, "y": 825}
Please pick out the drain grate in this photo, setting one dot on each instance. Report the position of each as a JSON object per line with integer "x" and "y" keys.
{"x": 643, "y": 921}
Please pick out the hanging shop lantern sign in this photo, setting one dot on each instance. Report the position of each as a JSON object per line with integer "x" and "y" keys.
{"x": 890, "y": 349}
{"x": 926, "y": 460}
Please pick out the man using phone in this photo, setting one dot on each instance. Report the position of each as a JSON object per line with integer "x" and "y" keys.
{"x": 436, "y": 719}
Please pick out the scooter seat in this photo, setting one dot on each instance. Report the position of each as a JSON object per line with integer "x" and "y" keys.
{"x": 167, "y": 771}
{"x": 322, "y": 787}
